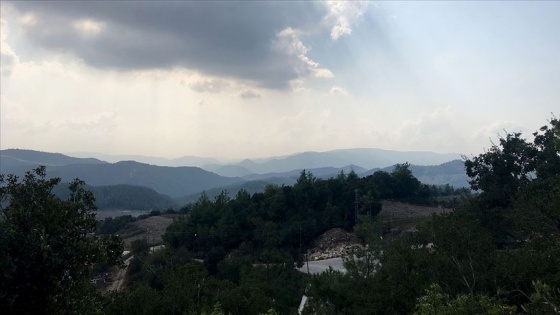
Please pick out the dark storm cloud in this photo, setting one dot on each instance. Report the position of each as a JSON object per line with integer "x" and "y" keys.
{"x": 233, "y": 39}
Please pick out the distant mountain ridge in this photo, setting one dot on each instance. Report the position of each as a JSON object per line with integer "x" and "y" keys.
{"x": 12, "y": 158}
{"x": 366, "y": 158}
{"x": 184, "y": 182}
{"x": 171, "y": 181}
{"x": 152, "y": 160}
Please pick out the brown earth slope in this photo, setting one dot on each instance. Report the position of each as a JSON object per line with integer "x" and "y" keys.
{"x": 337, "y": 242}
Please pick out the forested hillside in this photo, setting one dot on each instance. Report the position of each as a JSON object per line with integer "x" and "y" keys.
{"x": 172, "y": 181}
{"x": 124, "y": 197}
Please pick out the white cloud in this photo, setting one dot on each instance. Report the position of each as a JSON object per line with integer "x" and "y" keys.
{"x": 297, "y": 86}
{"x": 439, "y": 129}
{"x": 8, "y": 57}
{"x": 342, "y": 15}
{"x": 337, "y": 90}
{"x": 322, "y": 73}
{"x": 288, "y": 43}
{"x": 89, "y": 27}
{"x": 210, "y": 85}
{"x": 494, "y": 130}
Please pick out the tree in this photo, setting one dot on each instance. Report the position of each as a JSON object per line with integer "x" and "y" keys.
{"x": 406, "y": 185}
{"x": 503, "y": 170}
{"x": 518, "y": 180}
{"x": 47, "y": 247}
{"x": 437, "y": 302}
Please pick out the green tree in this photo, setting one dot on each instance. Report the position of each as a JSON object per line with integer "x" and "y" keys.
{"x": 406, "y": 185}
{"x": 47, "y": 247}
{"x": 503, "y": 170}
{"x": 436, "y": 302}
{"x": 518, "y": 180}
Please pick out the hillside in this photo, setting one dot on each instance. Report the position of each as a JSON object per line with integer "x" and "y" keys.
{"x": 172, "y": 181}
{"x": 452, "y": 173}
{"x": 124, "y": 197}
{"x": 15, "y": 159}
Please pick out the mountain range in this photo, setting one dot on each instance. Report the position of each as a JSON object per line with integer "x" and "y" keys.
{"x": 366, "y": 158}
{"x": 182, "y": 182}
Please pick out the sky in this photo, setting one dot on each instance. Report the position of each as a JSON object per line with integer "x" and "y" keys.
{"x": 242, "y": 79}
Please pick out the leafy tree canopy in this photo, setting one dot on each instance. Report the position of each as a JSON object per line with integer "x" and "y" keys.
{"x": 47, "y": 247}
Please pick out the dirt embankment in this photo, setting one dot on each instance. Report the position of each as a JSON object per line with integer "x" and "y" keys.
{"x": 337, "y": 242}
{"x": 151, "y": 229}
{"x": 333, "y": 243}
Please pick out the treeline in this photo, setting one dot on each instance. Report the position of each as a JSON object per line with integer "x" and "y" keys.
{"x": 288, "y": 218}
{"x": 169, "y": 281}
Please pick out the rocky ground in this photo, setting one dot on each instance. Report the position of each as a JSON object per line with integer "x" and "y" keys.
{"x": 333, "y": 243}
{"x": 338, "y": 243}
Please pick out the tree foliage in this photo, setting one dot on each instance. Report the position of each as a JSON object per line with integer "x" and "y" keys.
{"x": 47, "y": 247}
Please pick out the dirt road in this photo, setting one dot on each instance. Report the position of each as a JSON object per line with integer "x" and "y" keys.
{"x": 120, "y": 276}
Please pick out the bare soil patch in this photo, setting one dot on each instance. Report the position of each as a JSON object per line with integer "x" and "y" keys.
{"x": 151, "y": 229}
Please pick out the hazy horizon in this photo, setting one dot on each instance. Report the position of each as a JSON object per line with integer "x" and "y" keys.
{"x": 235, "y": 80}
{"x": 88, "y": 154}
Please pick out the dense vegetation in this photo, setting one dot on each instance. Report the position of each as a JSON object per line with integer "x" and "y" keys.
{"x": 271, "y": 229}
{"x": 47, "y": 248}
{"x": 497, "y": 253}
{"x": 128, "y": 197}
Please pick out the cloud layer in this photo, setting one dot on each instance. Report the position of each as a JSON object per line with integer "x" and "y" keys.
{"x": 258, "y": 42}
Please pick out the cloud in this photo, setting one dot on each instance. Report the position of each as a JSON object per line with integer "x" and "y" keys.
{"x": 337, "y": 90}
{"x": 219, "y": 39}
{"x": 8, "y": 57}
{"x": 89, "y": 27}
{"x": 438, "y": 129}
{"x": 210, "y": 86}
{"x": 288, "y": 43}
{"x": 342, "y": 14}
{"x": 247, "y": 94}
{"x": 495, "y": 130}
